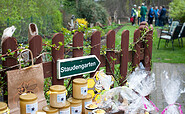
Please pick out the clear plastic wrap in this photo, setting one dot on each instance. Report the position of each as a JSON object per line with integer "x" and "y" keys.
{"x": 106, "y": 80}
{"x": 117, "y": 99}
{"x": 142, "y": 82}
{"x": 171, "y": 88}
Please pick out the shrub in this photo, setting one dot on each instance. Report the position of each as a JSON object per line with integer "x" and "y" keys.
{"x": 177, "y": 10}
{"x": 92, "y": 11}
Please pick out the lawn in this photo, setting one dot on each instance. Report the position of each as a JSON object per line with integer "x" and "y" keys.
{"x": 163, "y": 54}
{"x": 131, "y": 34}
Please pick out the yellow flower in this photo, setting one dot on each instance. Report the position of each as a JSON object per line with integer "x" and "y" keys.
{"x": 82, "y": 22}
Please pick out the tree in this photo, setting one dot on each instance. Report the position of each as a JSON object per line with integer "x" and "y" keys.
{"x": 177, "y": 10}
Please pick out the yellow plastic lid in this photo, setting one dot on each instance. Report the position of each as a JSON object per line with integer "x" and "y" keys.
{"x": 89, "y": 96}
{"x": 91, "y": 106}
{"x": 49, "y": 109}
{"x": 28, "y": 97}
{"x": 74, "y": 101}
{"x": 98, "y": 111}
{"x": 80, "y": 81}
{"x": 3, "y": 106}
{"x": 58, "y": 88}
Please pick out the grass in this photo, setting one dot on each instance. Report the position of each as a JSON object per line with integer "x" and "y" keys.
{"x": 166, "y": 54}
{"x": 161, "y": 55}
{"x": 131, "y": 34}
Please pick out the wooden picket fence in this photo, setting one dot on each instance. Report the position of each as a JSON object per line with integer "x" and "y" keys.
{"x": 143, "y": 52}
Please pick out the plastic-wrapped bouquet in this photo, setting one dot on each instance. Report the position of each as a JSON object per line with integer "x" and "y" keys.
{"x": 117, "y": 99}
{"x": 143, "y": 83}
{"x": 171, "y": 88}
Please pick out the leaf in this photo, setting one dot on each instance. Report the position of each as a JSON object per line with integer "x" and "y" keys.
{"x": 12, "y": 53}
{"x": 6, "y": 93}
{"x": 26, "y": 46}
{"x": 60, "y": 43}
{"x": 78, "y": 47}
{"x": 3, "y": 59}
{"x": 9, "y": 50}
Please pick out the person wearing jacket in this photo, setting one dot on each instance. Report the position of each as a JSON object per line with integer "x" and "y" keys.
{"x": 156, "y": 16}
{"x": 150, "y": 15}
{"x": 143, "y": 12}
{"x": 139, "y": 15}
{"x": 163, "y": 16}
{"x": 159, "y": 12}
{"x": 133, "y": 14}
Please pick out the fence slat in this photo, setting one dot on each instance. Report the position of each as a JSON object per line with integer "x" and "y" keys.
{"x": 35, "y": 45}
{"x": 136, "y": 53}
{"x": 148, "y": 50}
{"x": 95, "y": 44}
{"x": 57, "y": 54}
{"x": 125, "y": 54}
{"x": 110, "y": 52}
{"x": 47, "y": 69}
{"x": 8, "y": 43}
{"x": 78, "y": 42}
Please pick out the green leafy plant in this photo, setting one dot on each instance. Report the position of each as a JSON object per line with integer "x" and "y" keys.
{"x": 177, "y": 10}
{"x": 92, "y": 11}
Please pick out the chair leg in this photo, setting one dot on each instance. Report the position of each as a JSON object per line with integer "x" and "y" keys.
{"x": 159, "y": 43}
{"x": 172, "y": 45}
{"x": 166, "y": 43}
{"x": 179, "y": 42}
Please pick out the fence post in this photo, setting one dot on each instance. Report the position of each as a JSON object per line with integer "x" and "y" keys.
{"x": 148, "y": 50}
{"x": 95, "y": 44}
{"x": 110, "y": 54}
{"x": 35, "y": 45}
{"x": 57, "y": 54}
{"x": 78, "y": 42}
{"x": 124, "y": 55}
{"x": 136, "y": 53}
{"x": 8, "y": 43}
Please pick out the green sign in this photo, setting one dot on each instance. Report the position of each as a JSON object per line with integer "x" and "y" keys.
{"x": 77, "y": 66}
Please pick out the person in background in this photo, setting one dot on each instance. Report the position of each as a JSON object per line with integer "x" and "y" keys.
{"x": 163, "y": 16}
{"x": 156, "y": 16}
{"x": 139, "y": 15}
{"x": 159, "y": 12}
{"x": 150, "y": 15}
{"x": 143, "y": 12}
{"x": 133, "y": 14}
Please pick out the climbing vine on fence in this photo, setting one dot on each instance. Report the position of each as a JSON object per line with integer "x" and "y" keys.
{"x": 47, "y": 46}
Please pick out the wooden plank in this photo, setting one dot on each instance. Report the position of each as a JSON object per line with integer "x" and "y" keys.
{"x": 110, "y": 52}
{"x": 57, "y": 54}
{"x": 117, "y": 56}
{"x": 95, "y": 44}
{"x": 144, "y": 23}
{"x": 8, "y": 43}
{"x": 47, "y": 68}
{"x": 78, "y": 42}
{"x": 35, "y": 45}
{"x": 125, "y": 54}
{"x": 136, "y": 55}
{"x": 148, "y": 50}
{"x": 102, "y": 60}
